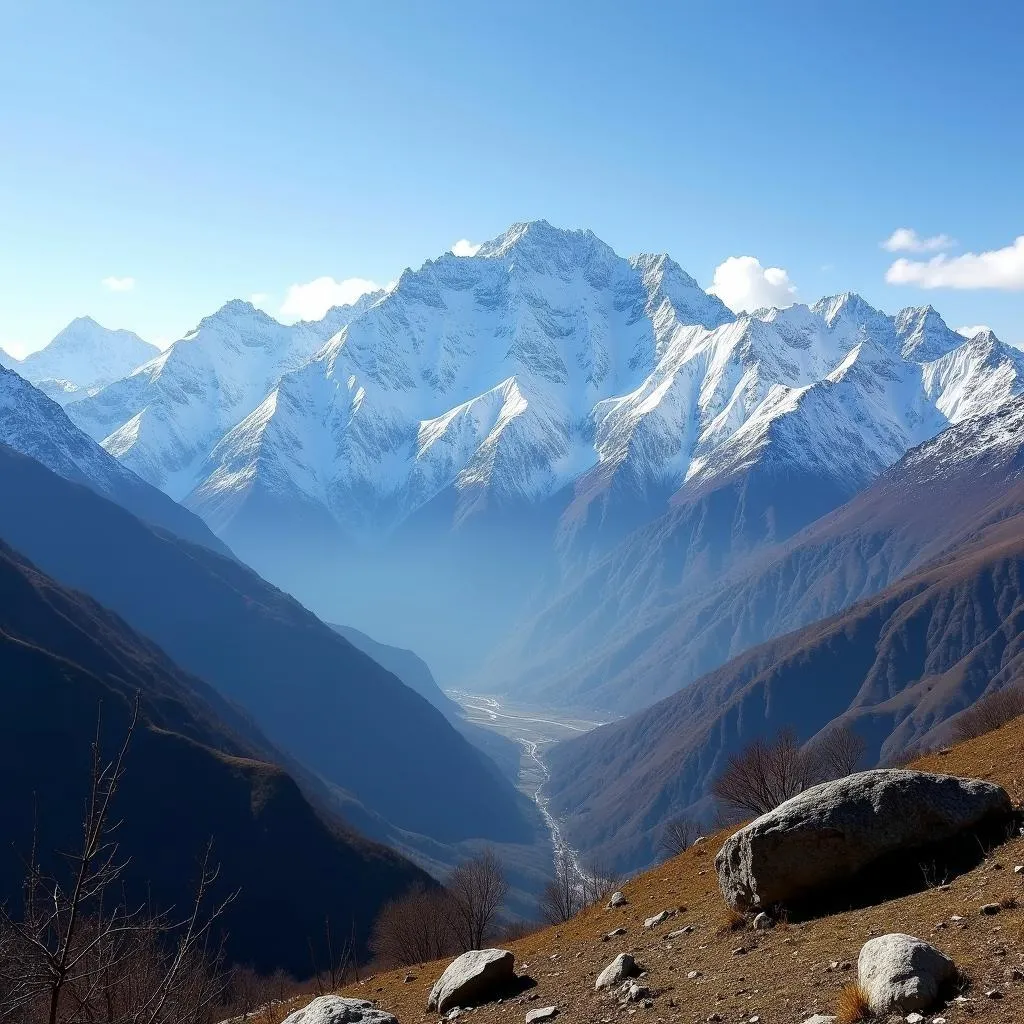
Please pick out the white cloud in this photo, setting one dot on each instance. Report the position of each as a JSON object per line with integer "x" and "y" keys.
{"x": 311, "y": 301}
{"x": 997, "y": 268}
{"x": 743, "y": 284}
{"x": 908, "y": 240}
{"x": 258, "y": 298}
{"x": 970, "y": 332}
{"x": 118, "y": 284}
{"x": 464, "y": 247}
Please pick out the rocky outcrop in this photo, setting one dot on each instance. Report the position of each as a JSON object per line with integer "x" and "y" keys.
{"x": 834, "y": 831}
{"x": 901, "y": 974}
{"x": 475, "y": 977}
{"x": 621, "y": 968}
{"x": 338, "y": 1010}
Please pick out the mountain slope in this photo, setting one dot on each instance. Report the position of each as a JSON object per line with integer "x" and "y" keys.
{"x": 83, "y": 357}
{"x": 36, "y": 426}
{"x": 312, "y": 693}
{"x": 190, "y": 776}
{"x": 895, "y": 666}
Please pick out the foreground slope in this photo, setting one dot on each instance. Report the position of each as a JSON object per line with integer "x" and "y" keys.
{"x": 895, "y": 667}
{"x": 195, "y": 770}
{"x": 326, "y": 704}
{"x": 782, "y": 976}
{"x": 36, "y": 426}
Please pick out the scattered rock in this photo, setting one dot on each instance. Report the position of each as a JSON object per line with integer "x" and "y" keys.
{"x": 653, "y": 922}
{"x": 680, "y": 932}
{"x": 991, "y": 909}
{"x": 622, "y": 967}
{"x": 541, "y": 1013}
{"x": 693, "y": 975}
{"x": 762, "y": 921}
{"x": 955, "y": 918}
{"x": 618, "y": 899}
{"x": 739, "y": 951}
{"x": 613, "y": 934}
{"x": 1019, "y": 869}
{"x": 900, "y": 974}
{"x": 915, "y": 1018}
{"x": 338, "y": 1010}
{"x": 832, "y": 831}
{"x": 636, "y": 992}
{"x": 454, "y": 1014}
{"x": 474, "y": 977}
{"x": 993, "y": 993}
{"x": 408, "y": 978}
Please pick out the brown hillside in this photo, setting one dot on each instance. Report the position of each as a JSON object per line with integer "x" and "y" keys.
{"x": 785, "y": 974}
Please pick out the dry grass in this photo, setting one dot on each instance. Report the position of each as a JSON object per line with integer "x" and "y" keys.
{"x": 783, "y": 975}
{"x": 852, "y": 1005}
{"x": 733, "y": 921}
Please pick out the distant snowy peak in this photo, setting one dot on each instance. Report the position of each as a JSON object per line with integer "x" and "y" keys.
{"x": 83, "y": 357}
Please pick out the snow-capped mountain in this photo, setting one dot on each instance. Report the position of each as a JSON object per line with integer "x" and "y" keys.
{"x": 83, "y": 357}
{"x": 36, "y": 426}
{"x": 529, "y": 406}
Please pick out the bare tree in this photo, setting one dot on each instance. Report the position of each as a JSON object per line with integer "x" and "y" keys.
{"x": 598, "y": 881}
{"x": 840, "y": 752}
{"x": 79, "y": 952}
{"x": 562, "y": 898}
{"x": 414, "y": 929}
{"x": 477, "y": 888}
{"x": 989, "y": 713}
{"x": 766, "y": 774}
{"x": 677, "y": 836}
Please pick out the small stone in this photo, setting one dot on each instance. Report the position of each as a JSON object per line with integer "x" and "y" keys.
{"x": 653, "y": 922}
{"x": 993, "y": 993}
{"x": 1019, "y": 869}
{"x": 714, "y": 1018}
{"x": 693, "y": 975}
{"x": 762, "y": 921}
{"x": 739, "y": 951}
{"x": 938, "y": 1020}
{"x": 623, "y": 966}
{"x": 454, "y": 1014}
{"x": 618, "y": 899}
{"x": 990, "y": 909}
{"x": 915, "y": 1018}
{"x": 956, "y": 918}
{"x": 541, "y": 1013}
{"x": 408, "y": 978}
{"x": 679, "y": 932}
{"x": 615, "y": 933}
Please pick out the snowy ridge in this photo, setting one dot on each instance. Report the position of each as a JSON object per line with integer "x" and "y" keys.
{"x": 82, "y": 358}
{"x": 545, "y": 367}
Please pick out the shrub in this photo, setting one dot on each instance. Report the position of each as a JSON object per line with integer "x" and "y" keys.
{"x": 852, "y": 1005}
{"x": 989, "y": 713}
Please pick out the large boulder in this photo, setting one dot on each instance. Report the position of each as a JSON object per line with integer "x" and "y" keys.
{"x": 901, "y": 974}
{"x": 475, "y": 977}
{"x": 833, "y": 831}
{"x": 338, "y": 1010}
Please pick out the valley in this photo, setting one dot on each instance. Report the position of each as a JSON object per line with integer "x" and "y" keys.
{"x": 535, "y": 729}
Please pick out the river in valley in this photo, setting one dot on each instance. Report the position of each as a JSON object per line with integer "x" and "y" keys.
{"x": 535, "y": 730}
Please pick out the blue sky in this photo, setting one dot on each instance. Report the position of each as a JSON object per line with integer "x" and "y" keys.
{"x": 192, "y": 152}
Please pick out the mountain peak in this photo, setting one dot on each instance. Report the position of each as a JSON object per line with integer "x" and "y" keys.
{"x": 846, "y": 305}
{"x": 539, "y": 236}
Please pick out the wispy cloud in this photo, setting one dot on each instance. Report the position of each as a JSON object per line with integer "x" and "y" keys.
{"x": 310, "y": 301}
{"x": 1001, "y": 269}
{"x": 970, "y": 332}
{"x": 743, "y": 284}
{"x": 908, "y": 240}
{"x": 118, "y": 284}
{"x": 464, "y": 247}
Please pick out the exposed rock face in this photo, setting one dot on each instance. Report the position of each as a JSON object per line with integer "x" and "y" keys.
{"x": 474, "y": 977}
{"x": 338, "y": 1010}
{"x": 901, "y": 974}
{"x": 621, "y": 968}
{"x": 832, "y": 831}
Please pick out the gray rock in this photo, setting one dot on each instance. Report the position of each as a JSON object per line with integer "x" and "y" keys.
{"x": 990, "y": 909}
{"x": 338, "y": 1010}
{"x": 680, "y": 932}
{"x": 617, "y": 900}
{"x": 615, "y": 933}
{"x": 621, "y": 968}
{"x": 834, "y": 830}
{"x": 474, "y": 977}
{"x": 901, "y": 974}
{"x": 653, "y": 922}
{"x": 762, "y": 922}
{"x": 541, "y": 1013}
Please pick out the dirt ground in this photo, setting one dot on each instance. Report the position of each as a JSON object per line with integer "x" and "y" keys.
{"x": 781, "y": 976}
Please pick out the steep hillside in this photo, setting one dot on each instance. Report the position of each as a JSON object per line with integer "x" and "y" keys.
{"x": 313, "y": 694}
{"x": 415, "y": 673}
{"x": 36, "y": 426}
{"x": 895, "y": 668}
{"x": 195, "y": 770}
{"x": 780, "y": 976}
{"x": 654, "y": 618}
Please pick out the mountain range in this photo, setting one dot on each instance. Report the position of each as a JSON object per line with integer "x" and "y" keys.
{"x": 512, "y": 422}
